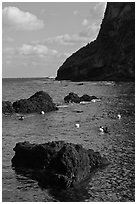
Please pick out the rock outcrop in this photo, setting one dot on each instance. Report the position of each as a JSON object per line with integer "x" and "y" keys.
{"x": 40, "y": 101}
{"x": 60, "y": 163}
{"x": 7, "y": 107}
{"x": 74, "y": 98}
{"x": 112, "y": 55}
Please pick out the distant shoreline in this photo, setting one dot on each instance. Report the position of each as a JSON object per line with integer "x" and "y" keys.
{"x": 28, "y": 78}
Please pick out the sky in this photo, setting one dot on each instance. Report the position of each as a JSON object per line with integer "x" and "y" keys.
{"x": 37, "y": 37}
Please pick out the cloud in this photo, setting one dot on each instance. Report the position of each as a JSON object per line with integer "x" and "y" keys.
{"x": 90, "y": 32}
{"x": 63, "y": 55}
{"x": 70, "y": 39}
{"x": 66, "y": 39}
{"x": 13, "y": 17}
{"x": 91, "y": 28}
{"x": 76, "y": 12}
{"x": 97, "y": 12}
{"x": 93, "y": 20}
{"x": 27, "y": 49}
{"x": 36, "y": 50}
{"x": 53, "y": 52}
{"x": 85, "y": 22}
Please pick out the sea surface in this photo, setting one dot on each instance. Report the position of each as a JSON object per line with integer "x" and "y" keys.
{"x": 115, "y": 182}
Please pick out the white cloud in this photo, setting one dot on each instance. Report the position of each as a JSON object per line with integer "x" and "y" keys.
{"x": 66, "y": 39}
{"x": 38, "y": 49}
{"x": 90, "y": 32}
{"x": 20, "y": 20}
{"x": 91, "y": 27}
{"x": 99, "y": 6}
{"x": 97, "y": 11}
{"x": 63, "y": 55}
{"x": 85, "y": 22}
{"x": 92, "y": 21}
{"x": 54, "y": 52}
{"x": 27, "y": 49}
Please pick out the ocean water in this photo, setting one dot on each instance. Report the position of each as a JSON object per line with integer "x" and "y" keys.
{"x": 115, "y": 182}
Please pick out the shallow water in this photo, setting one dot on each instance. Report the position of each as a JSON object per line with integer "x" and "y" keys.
{"x": 116, "y": 182}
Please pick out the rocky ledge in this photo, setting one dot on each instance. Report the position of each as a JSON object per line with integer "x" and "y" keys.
{"x": 60, "y": 163}
{"x": 74, "y": 98}
{"x": 112, "y": 55}
{"x": 40, "y": 101}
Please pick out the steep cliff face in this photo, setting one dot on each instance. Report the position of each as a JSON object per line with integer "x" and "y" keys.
{"x": 112, "y": 55}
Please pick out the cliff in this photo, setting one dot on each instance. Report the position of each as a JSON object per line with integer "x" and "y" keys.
{"x": 112, "y": 55}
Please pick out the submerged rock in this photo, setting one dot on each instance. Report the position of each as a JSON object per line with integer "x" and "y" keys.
{"x": 72, "y": 97}
{"x": 7, "y": 107}
{"x": 63, "y": 164}
{"x": 40, "y": 101}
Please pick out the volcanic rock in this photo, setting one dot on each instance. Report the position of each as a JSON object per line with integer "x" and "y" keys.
{"x": 63, "y": 164}
{"x": 112, "y": 55}
{"x": 7, "y": 107}
{"x": 72, "y": 97}
{"x": 40, "y": 101}
{"x": 86, "y": 97}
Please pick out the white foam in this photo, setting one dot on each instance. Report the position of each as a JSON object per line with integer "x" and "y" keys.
{"x": 62, "y": 106}
{"x": 77, "y": 125}
{"x": 85, "y": 102}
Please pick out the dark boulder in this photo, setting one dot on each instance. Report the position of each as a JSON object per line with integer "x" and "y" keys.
{"x": 40, "y": 101}
{"x": 23, "y": 106}
{"x": 86, "y": 97}
{"x": 63, "y": 164}
{"x": 80, "y": 84}
{"x": 7, "y": 107}
{"x": 72, "y": 97}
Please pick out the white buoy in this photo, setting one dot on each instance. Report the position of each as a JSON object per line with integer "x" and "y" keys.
{"x": 21, "y": 117}
{"x": 119, "y": 116}
{"x": 77, "y": 125}
{"x": 95, "y": 100}
{"x": 103, "y": 129}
